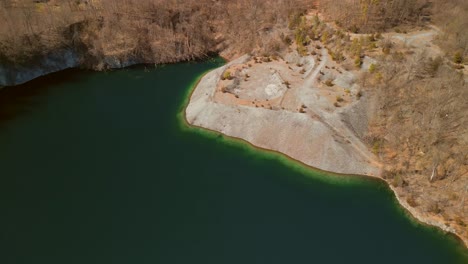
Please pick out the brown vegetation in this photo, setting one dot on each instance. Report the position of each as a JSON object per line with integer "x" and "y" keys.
{"x": 422, "y": 116}
{"x": 141, "y": 30}
{"x": 369, "y": 16}
{"x": 373, "y": 16}
{"x": 419, "y": 128}
{"x": 451, "y": 17}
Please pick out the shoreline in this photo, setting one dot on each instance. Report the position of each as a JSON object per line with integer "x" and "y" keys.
{"x": 409, "y": 211}
{"x": 300, "y": 165}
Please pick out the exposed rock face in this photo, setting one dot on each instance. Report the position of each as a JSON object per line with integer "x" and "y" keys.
{"x": 357, "y": 117}
{"x": 18, "y": 74}
{"x": 59, "y": 60}
{"x": 315, "y": 137}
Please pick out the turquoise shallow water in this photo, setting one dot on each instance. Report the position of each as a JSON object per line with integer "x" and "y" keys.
{"x": 97, "y": 168}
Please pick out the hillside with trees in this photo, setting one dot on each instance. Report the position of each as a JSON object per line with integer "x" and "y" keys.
{"x": 151, "y": 31}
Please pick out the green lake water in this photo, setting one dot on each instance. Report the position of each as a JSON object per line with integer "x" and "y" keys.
{"x": 100, "y": 168}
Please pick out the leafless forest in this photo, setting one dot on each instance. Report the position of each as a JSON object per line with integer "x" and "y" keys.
{"x": 371, "y": 16}
{"x": 144, "y": 30}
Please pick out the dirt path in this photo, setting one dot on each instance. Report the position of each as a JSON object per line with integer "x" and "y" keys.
{"x": 409, "y": 39}
{"x": 331, "y": 120}
{"x": 312, "y": 78}
{"x": 422, "y": 40}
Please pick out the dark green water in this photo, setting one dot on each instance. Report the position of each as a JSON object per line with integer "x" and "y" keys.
{"x": 97, "y": 168}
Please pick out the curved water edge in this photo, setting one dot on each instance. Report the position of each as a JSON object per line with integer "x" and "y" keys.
{"x": 307, "y": 170}
{"x": 156, "y": 185}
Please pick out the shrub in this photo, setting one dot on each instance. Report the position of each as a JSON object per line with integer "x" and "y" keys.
{"x": 388, "y": 174}
{"x": 226, "y": 76}
{"x": 398, "y": 181}
{"x": 311, "y": 35}
{"x": 354, "y": 29}
{"x": 358, "y": 62}
{"x": 294, "y": 20}
{"x": 386, "y": 45}
{"x": 336, "y": 56}
{"x": 356, "y": 47}
{"x": 359, "y": 95}
{"x": 316, "y": 20}
{"x": 433, "y": 65}
{"x": 301, "y": 50}
{"x": 459, "y": 221}
{"x": 324, "y": 38}
{"x": 336, "y": 104}
{"x": 458, "y": 57}
{"x": 434, "y": 208}
{"x": 266, "y": 59}
{"x": 376, "y": 147}
{"x": 412, "y": 201}
{"x": 386, "y": 50}
{"x": 372, "y": 68}
{"x": 300, "y": 36}
{"x": 372, "y": 46}
{"x": 329, "y": 83}
{"x": 287, "y": 40}
{"x": 339, "y": 99}
{"x": 379, "y": 76}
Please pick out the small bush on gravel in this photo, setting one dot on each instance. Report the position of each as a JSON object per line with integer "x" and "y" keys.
{"x": 226, "y": 76}
{"x": 458, "y": 57}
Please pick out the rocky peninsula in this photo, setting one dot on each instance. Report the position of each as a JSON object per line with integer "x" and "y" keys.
{"x": 276, "y": 105}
